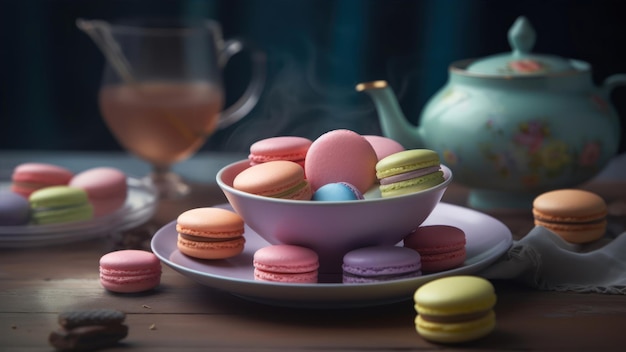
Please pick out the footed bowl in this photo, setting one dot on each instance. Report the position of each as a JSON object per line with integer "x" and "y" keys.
{"x": 331, "y": 228}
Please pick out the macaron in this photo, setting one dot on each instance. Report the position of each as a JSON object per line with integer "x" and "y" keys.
{"x": 290, "y": 148}
{"x": 129, "y": 270}
{"x": 276, "y": 179}
{"x": 106, "y": 188}
{"x": 577, "y": 216}
{"x": 384, "y": 146}
{"x": 455, "y": 309}
{"x": 380, "y": 263}
{"x": 286, "y": 263}
{"x": 14, "y": 209}
{"x": 336, "y": 192}
{"x": 59, "y": 204}
{"x": 408, "y": 171}
{"x": 341, "y": 156}
{"x": 29, "y": 177}
{"x": 442, "y": 247}
{"x": 210, "y": 233}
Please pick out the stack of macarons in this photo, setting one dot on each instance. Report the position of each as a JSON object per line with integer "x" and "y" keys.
{"x": 342, "y": 164}
{"x": 52, "y": 194}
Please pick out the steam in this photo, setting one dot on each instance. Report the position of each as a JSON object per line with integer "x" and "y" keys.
{"x": 296, "y": 101}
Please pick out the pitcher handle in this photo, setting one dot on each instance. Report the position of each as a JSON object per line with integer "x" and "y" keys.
{"x": 251, "y": 95}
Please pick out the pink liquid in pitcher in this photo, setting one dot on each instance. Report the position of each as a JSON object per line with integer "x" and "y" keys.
{"x": 161, "y": 122}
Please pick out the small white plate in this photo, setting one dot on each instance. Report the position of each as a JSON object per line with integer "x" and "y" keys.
{"x": 140, "y": 206}
{"x": 487, "y": 239}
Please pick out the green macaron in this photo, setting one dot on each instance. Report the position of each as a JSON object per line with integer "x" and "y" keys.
{"x": 409, "y": 171}
{"x": 59, "y": 204}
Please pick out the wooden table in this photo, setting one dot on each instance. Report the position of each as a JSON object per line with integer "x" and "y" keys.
{"x": 38, "y": 283}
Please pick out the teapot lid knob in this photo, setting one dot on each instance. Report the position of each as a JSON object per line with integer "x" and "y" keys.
{"x": 520, "y": 61}
{"x": 522, "y": 36}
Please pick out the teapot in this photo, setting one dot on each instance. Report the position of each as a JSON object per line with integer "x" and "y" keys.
{"x": 512, "y": 125}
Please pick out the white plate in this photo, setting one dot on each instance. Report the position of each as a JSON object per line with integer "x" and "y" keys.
{"x": 140, "y": 206}
{"x": 487, "y": 239}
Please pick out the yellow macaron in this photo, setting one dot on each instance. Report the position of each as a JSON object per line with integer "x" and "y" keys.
{"x": 455, "y": 309}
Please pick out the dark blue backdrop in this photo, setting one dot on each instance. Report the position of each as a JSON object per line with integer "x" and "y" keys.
{"x": 317, "y": 52}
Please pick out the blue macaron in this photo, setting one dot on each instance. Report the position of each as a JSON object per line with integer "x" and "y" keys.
{"x": 337, "y": 191}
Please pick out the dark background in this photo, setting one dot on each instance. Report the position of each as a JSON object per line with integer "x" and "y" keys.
{"x": 317, "y": 51}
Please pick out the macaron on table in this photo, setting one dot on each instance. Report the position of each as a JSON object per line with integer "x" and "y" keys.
{"x": 129, "y": 271}
{"x": 455, "y": 309}
{"x": 577, "y": 216}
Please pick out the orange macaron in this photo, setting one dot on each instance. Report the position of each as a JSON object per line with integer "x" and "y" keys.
{"x": 210, "y": 233}
{"x": 577, "y": 216}
{"x": 276, "y": 179}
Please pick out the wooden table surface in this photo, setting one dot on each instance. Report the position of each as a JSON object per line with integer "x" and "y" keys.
{"x": 182, "y": 315}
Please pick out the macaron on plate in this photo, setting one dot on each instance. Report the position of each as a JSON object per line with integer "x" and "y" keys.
{"x": 486, "y": 240}
{"x": 139, "y": 206}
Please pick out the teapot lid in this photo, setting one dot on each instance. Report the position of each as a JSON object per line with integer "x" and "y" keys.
{"x": 520, "y": 61}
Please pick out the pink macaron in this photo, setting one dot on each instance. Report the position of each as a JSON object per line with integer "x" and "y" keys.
{"x": 290, "y": 148}
{"x": 106, "y": 188}
{"x": 442, "y": 247}
{"x": 286, "y": 263}
{"x": 341, "y": 156}
{"x": 29, "y": 177}
{"x": 128, "y": 271}
{"x": 384, "y": 146}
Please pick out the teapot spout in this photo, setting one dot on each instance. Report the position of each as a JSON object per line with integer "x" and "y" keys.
{"x": 392, "y": 121}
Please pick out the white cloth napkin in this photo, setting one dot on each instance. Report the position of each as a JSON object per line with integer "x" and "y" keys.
{"x": 545, "y": 261}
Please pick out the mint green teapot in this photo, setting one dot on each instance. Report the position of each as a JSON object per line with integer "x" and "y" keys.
{"x": 513, "y": 125}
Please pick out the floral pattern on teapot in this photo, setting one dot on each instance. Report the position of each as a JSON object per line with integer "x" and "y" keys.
{"x": 535, "y": 153}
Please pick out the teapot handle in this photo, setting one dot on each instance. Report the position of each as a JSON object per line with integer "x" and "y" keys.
{"x": 251, "y": 95}
{"x": 613, "y": 82}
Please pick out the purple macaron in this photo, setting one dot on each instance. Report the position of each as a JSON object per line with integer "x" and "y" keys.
{"x": 380, "y": 263}
{"x": 14, "y": 209}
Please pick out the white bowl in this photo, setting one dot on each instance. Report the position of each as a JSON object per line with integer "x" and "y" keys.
{"x": 331, "y": 228}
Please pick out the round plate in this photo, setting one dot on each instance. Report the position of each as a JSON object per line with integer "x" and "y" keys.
{"x": 140, "y": 206}
{"x": 487, "y": 239}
